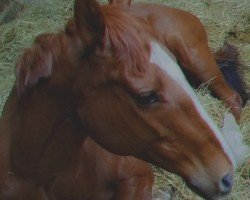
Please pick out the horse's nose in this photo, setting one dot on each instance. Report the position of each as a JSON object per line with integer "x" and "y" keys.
{"x": 226, "y": 183}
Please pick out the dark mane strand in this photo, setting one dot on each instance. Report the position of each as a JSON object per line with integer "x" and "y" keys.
{"x": 229, "y": 63}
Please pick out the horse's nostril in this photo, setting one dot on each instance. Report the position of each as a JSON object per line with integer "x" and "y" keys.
{"x": 226, "y": 183}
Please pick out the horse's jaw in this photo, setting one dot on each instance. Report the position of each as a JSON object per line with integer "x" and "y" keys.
{"x": 203, "y": 181}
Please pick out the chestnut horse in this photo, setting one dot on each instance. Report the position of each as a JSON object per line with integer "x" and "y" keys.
{"x": 110, "y": 76}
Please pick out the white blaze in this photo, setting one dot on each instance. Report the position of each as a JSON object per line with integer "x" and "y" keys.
{"x": 232, "y": 134}
{"x": 161, "y": 58}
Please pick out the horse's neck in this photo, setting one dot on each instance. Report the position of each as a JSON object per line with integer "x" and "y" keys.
{"x": 45, "y": 133}
{"x": 5, "y": 137}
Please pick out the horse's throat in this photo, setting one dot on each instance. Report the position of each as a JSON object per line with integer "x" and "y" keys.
{"x": 45, "y": 135}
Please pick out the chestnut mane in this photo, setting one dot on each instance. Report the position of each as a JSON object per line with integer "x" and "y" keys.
{"x": 129, "y": 44}
{"x": 39, "y": 60}
{"x": 129, "y": 41}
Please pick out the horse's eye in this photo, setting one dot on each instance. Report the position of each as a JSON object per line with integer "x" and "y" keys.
{"x": 147, "y": 98}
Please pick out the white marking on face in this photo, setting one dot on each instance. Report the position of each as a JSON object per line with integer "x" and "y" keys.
{"x": 161, "y": 58}
{"x": 232, "y": 134}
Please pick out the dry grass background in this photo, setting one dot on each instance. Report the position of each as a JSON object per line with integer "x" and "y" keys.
{"x": 225, "y": 20}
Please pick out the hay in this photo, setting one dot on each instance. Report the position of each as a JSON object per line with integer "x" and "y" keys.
{"x": 224, "y": 20}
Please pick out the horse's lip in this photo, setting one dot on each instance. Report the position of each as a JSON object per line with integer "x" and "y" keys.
{"x": 206, "y": 196}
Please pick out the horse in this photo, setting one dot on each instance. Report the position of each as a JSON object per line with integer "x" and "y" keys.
{"x": 108, "y": 76}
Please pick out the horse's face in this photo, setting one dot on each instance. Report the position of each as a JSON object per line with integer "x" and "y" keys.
{"x": 134, "y": 100}
{"x": 156, "y": 118}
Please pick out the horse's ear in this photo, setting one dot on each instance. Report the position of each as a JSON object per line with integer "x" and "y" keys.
{"x": 120, "y": 2}
{"x": 34, "y": 64}
{"x": 90, "y": 22}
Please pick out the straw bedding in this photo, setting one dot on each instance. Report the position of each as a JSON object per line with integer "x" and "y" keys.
{"x": 224, "y": 21}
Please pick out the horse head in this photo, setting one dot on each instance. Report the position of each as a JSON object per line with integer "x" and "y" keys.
{"x": 132, "y": 97}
